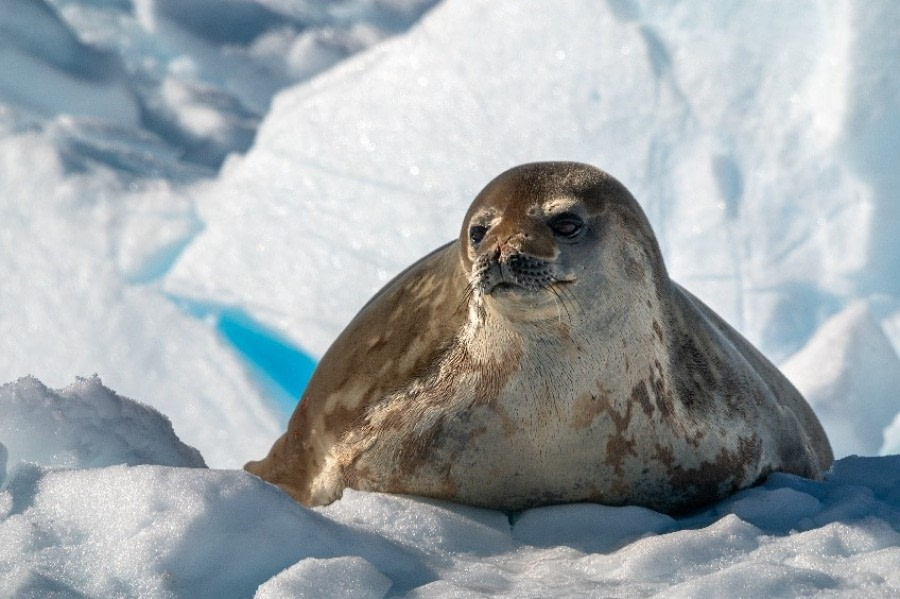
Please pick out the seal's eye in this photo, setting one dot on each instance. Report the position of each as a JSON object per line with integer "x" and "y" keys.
{"x": 477, "y": 233}
{"x": 567, "y": 225}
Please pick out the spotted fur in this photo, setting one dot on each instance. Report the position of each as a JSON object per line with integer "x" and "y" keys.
{"x": 523, "y": 365}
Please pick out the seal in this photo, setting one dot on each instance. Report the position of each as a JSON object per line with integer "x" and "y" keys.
{"x": 544, "y": 357}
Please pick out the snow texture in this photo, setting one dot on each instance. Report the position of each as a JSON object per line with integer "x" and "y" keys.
{"x": 71, "y": 525}
{"x": 85, "y": 425}
{"x": 760, "y": 138}
{"x": 850, "y": 374}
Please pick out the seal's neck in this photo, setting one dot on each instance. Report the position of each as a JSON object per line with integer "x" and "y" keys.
{"x": 617, "y": 338}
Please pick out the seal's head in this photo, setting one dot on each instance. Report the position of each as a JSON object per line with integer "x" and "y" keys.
{"x": 540, "y": 232}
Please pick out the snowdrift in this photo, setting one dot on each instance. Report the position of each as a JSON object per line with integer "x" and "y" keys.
{"x": 761, "y": 139}
{"x": 87, "y": 514}
{"x": 97, "y": 515}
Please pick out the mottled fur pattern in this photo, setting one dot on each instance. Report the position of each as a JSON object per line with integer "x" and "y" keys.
{"x": 544, "y": 357}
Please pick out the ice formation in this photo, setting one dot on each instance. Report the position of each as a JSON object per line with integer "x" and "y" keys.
{"x": 761, "y": 140}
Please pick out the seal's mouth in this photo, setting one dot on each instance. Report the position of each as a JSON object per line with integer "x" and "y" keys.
{"x": 508, "y": 287}
{"x": 504, "y": 288}
{"x": 515, "y": 276}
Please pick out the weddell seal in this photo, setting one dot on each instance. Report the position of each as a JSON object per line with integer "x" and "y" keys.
{"x": 544, "y": 357}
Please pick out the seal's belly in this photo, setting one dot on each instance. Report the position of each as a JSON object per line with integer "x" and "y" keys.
{"x": 527, "y": 450}
{"x": 525, "y": 454}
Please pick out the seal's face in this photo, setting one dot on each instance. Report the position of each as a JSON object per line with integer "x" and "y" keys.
{"x": 520, "y": 257}
{"x": 538, "y": 232}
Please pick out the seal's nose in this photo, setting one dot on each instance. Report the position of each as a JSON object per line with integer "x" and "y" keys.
{"x": 511, "y": 247}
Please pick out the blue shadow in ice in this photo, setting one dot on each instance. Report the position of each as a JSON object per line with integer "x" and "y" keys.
{"x": 283, "y": 369}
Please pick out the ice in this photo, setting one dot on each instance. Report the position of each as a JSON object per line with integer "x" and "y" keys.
{"x": 107, "y": 111}
{"x": 850, "y": 374}
{"x": 746, "y": 155}
{"x": 73, "y": 306}
{"x": 194, "y": 79}
{"x": 761, "y": 139}
{"x": 45, "y": 67}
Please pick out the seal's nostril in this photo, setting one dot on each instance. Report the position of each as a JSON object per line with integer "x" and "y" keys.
{"x": 508, "y": 251}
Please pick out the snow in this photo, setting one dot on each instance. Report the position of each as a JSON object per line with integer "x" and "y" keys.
{"x": 107, "y": 113}
{"x": 179, "y": 89}
{"x": 85, "y": 425}
{"x": 850, "y": 374}
{"x": 139, "y": 244}
{"x": 71, "y": 309}
{"x": 95, "y": 515}
{"x": 347, "y": 576}
{"x": 48, "y": 68}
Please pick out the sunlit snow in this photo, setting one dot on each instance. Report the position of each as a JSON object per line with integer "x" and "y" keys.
{"x": 139, "y": 244}
{"x": 78, "y": 521}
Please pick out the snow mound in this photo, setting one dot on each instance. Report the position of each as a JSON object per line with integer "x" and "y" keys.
{"x": 160, "y": 531}
{"x": 72, "y": 526}
{"x": 83, "y": 255}
{"x": 850, "y": 374}
{"x": 336, "y": 577}
{"x": 85, "y": 425}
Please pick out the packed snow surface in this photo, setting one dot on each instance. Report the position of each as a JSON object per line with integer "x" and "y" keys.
{"x": 760, "y": 138}
{"x": 95, "y": 515}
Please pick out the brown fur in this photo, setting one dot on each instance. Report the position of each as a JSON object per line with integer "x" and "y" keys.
{"x": 530, "y": 368}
